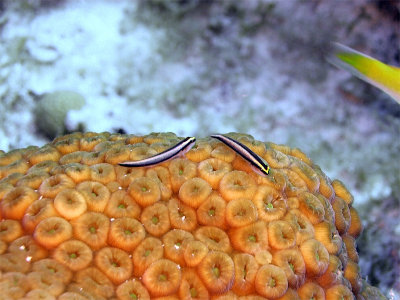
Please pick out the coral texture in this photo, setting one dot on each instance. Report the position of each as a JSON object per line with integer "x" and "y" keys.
{"x": 76, "y": 225}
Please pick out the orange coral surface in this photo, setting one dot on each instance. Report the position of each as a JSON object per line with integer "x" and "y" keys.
{"x": 76, "y": 225}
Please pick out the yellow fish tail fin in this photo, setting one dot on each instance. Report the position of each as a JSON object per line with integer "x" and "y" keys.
{"x": 385, "y": 77}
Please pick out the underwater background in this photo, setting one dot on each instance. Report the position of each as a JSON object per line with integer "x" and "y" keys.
{"x": 201, "y": 67}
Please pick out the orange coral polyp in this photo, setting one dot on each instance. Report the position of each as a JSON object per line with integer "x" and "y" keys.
{"x": 31, "y": 250}
{"x": 12, "y": 262}
{"x": 217, "y": 271}
{"x": 302, "y": 226}
{"x": 3, "y": 246}
{"x": 224, "y": 153}
{"x": 92, "y": 228}
{"x": 276, "y": 159}
{"x": 180, "y": 171}
{"x": 67, "y": 146}
{"x": 338, "y": 292}
{"x": 141, "y": 152}
{"x": 333, "y": 275}
{"x": 246, "y": 268}
{"x": 94, "y": 283}
{"x": 88, "y": 143}
{"x": 199, "y": 152}
{"x": 126, "y": 233}
{"x": 327, "y": 234}
{"x": 201, "y": 226}
{"x": 237, "y": 184}
{"x": 5, "y": 187}
{"x": 296, "y": 152}
{"x": 122, "y": 205}
{"x": 74, "y": 254}
{"x": 191, "y": 286}
{"x": 350, "y": 243}
{"x": 292, "y": 263}
{"x": 214, "y": 238}
{"x": 51, "y": 186}
{"x": 43, "y": 154}
{"x": 311, "y": 207}
{"x": 39, "y": 210}
{"x": 145, "y": 191}
{"x": 147, "y": 252}
{"x": 39, "y": 294}
{"x": 271, "y": 282}
{"x": 355, "y": 227}
{"x": 78, "y": 172}
{"x": 325, "y": 186}
{"x": 17, "y": 281}
{"x": 181, "y": 216}
{"x": 193, "y": 252}
{"x": 52, "y": 231}
{"x": 92, "y": 158}
{"x": 10, "y": 230}
{"x": 155, "y": 219}
{"x": 96, "y": 195}
{"x": 173, "y": 245}
{"x": 212, "y": 170}
{"x": 53, "y": 268}
{"x": 251, "y": 238}
{"x": 212, "y": 211}
{"x": 10, "y": 157}
{"x": 132, "y": 289}
{"x": 162, "y": 278}
{"x": 33, "y": 180}
{"x": 103, "y": 173}
{"x": 240, "y": 212}
{"x": 281, "y": 235}
{"x": 295, "y": 183}
{"x": 342, "y": 192}
{"x": 125, "y": 176}
{"x": 45, "y": 166}
{"x": 311, "y": 290}
{"x": 290, "y": 294}
{"x": 352, "y": 274}
{"x": 71, "y": 296}
{"x": 70, "y": 158}
{"x": 41, "y": 280}
{"x": 342, "y": 215}
{"x": 270, "y": 203}
{"x": 70, "y": 203}
{"x": 306, "y": 173}
{"x": 117, "y": 155}
{"x": 194, "y": 192}
{"x": 16, "y": 201}
{"x": 161, "y": 175}
{"x": 316, "y": 257}
{"x": 115, "y": 263}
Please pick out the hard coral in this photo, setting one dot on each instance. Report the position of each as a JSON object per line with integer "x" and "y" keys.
{"x": 78, "y": 225}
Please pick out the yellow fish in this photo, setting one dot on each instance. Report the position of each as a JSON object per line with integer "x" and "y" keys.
{"x": 384, "y": 77}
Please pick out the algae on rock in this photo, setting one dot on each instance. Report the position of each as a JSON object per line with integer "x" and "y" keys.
{"x": 52, "y": 109}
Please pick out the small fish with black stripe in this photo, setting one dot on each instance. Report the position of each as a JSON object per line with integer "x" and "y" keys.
{"x": 179, "y": 149}
{"x": 257, "y": 163}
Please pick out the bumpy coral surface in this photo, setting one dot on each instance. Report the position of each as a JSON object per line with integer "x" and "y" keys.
{"x": 76, "y": 225}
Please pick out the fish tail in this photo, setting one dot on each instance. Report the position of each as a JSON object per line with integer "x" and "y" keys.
{"x": 384, "y": 77}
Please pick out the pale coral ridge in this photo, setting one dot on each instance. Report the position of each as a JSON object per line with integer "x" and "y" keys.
{"x": 76, "y": 225}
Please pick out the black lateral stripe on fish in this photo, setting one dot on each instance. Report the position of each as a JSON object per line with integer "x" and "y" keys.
{"x": 244, "y": 152}
{"x": 182, "y": 147}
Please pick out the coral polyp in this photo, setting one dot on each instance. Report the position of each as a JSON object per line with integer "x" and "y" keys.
{"x": 74, "y": 224}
